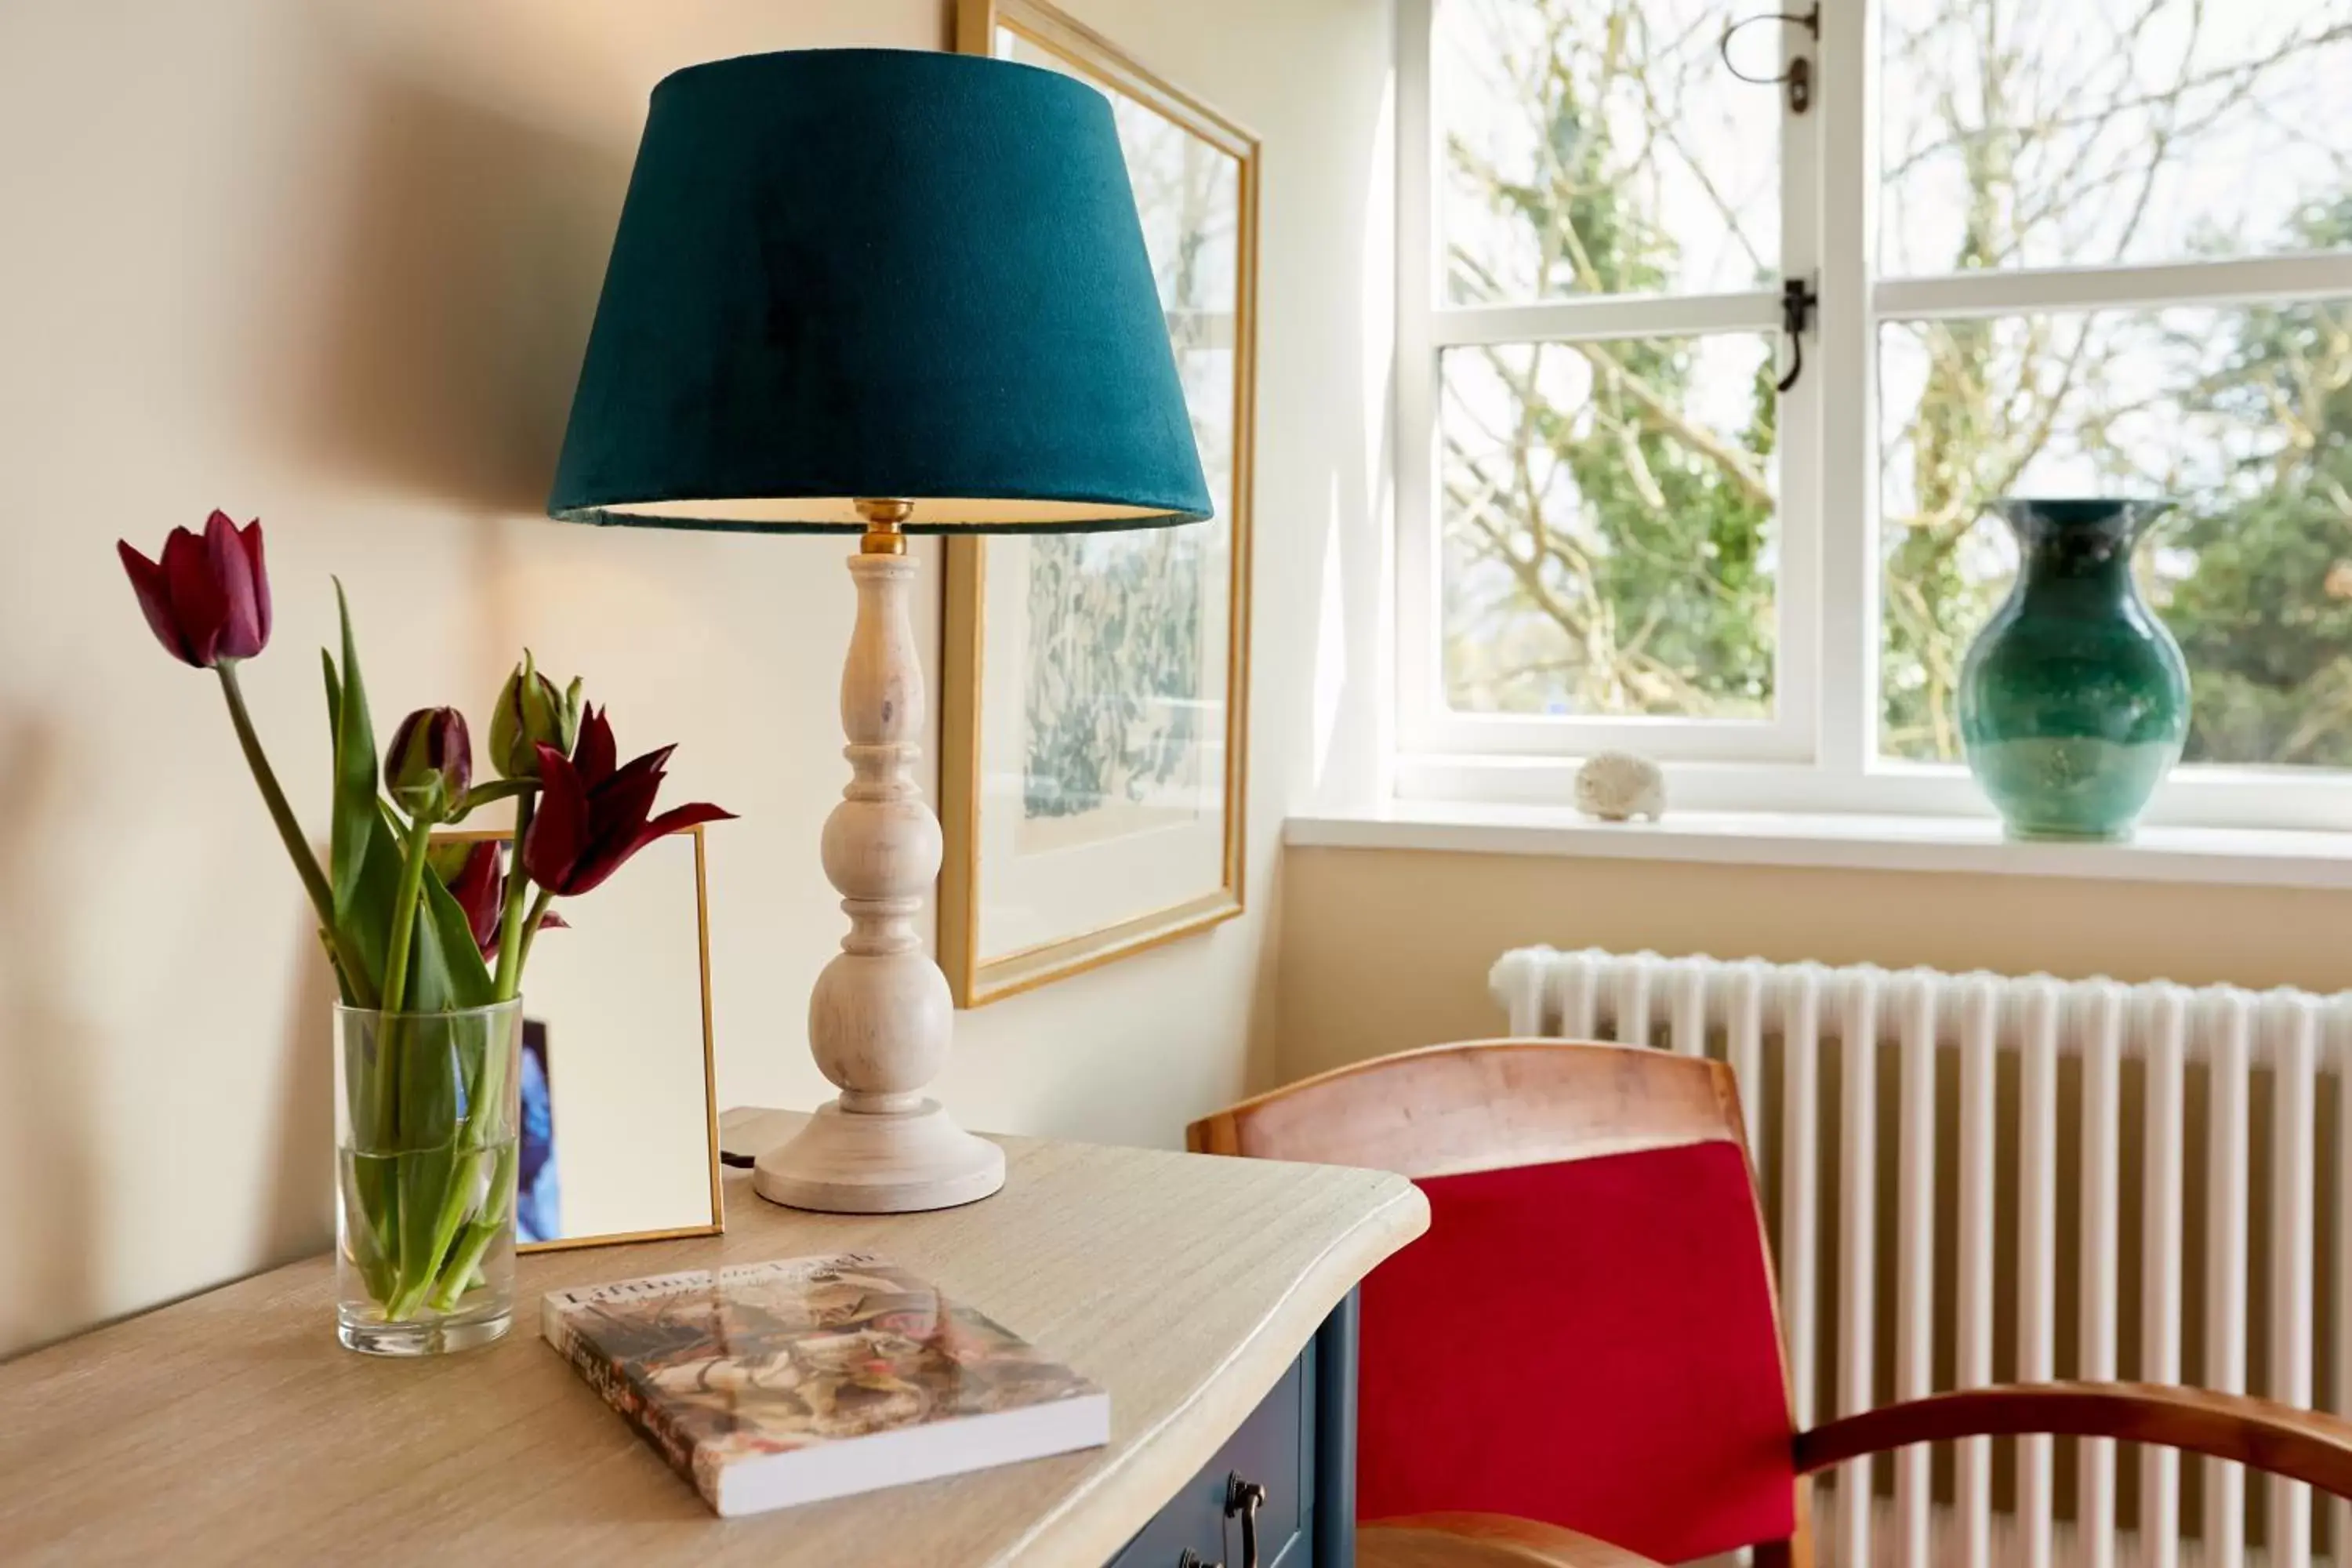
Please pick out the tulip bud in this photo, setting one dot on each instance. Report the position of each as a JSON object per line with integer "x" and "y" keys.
{"x": 531, "y": 714}
{"x": 430, "y": 763}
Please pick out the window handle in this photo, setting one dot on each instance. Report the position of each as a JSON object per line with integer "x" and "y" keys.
{"x": 1799, "y": 74}
{"x": 1797, "y": 300}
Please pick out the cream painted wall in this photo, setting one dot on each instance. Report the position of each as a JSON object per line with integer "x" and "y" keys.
{"x": 1385, "y": 950}
{"x": 331, "y": 262}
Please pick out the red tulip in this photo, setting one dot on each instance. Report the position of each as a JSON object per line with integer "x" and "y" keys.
{"x": 208, "y": 599}
{"x": 472, "y": 874}
{"x": 592, "y": 816}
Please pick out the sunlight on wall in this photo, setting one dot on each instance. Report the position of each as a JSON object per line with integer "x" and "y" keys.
{"x": 1331, "y": 644}
{"x": 331, "y": 262}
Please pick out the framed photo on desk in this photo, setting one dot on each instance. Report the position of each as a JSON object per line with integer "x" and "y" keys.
{"x": 619, "y": 1111}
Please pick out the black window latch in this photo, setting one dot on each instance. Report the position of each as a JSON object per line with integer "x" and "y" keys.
{"x": 1797, "y": 301}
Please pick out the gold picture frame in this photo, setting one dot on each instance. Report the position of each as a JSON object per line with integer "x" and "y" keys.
{"x": 716, "y": 1223}
{"x": 977, "y": 976}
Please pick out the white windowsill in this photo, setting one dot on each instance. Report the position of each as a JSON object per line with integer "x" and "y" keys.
{"x": 2237, "y": 857}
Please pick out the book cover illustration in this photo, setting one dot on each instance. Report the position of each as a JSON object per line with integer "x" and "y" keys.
{"x": 771, "y": 1359}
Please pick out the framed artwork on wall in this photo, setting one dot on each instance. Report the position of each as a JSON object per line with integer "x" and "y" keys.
{"x": 1095, "y": 711}
{"x": 620, "y": 1104}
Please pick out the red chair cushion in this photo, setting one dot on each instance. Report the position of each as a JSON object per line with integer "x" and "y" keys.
{"x": 1590, "y": 1343}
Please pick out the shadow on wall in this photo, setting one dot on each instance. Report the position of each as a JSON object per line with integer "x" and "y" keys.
{"x": 48, "y": 1245}
{"x": 50, "y": 1213}
{"x": 298, "y": 1215}
{"x": 459, "y": 302}
{"x": 441, "y": 364}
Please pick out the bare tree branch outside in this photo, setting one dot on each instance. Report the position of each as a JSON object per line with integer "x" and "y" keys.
{"x": 1607, "y": 507}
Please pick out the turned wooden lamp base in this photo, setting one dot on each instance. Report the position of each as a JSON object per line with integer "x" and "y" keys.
{"x": 881, "y": 1018}
{"x": 864, "y": 1161}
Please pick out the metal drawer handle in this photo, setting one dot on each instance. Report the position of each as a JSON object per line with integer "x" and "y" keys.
{"x": 1243, "y": 1498}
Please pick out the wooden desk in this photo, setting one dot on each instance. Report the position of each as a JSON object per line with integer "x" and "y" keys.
{"x": 232, "y": 1429}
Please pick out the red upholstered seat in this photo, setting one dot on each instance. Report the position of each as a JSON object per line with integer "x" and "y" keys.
{"x": 1585, "y": 1339}
{"x": 1591, "y": 1343}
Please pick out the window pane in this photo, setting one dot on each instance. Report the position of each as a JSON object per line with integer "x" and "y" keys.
{"x": 2242, "y": 415}
{"x": 2076, "y": 133}
{"x": 1599, "y": 146}
{"x": 1608, "y": 528}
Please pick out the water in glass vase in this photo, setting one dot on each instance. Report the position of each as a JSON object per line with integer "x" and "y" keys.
{"x": 426, "y": 1111}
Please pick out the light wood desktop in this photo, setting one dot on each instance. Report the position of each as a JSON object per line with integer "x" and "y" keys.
{"x": 231, "y": 1428}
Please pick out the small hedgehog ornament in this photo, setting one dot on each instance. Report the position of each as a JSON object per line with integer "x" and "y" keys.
{"x": 1616, "y": 786}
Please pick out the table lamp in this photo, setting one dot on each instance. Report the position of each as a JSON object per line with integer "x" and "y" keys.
{"x": 880, "y": 292}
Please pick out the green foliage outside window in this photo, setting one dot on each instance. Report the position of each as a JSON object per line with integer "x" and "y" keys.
{"x": 1608, "y": 506}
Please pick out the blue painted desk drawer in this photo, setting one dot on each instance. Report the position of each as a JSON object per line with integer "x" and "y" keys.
{"x": 1274, "y": 1448}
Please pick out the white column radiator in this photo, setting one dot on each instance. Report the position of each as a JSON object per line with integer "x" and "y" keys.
{"x": 2066, "y": 1179}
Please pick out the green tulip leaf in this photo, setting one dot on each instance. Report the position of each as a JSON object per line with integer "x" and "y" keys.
{"x": 427, "y": 1162}
{"x": 446, "y": 972}
{"x": 370, "y": 1215}
{"x": 355, "y": 812}
{"x": 445, "y": 963}
{"x": 334, "y": 697}
{"x": 367, "y": 914}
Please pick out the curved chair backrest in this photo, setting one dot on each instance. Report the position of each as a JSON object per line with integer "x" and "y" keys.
{"x": 1587, "y": 1335}
{"x": 1482, "y": 1105}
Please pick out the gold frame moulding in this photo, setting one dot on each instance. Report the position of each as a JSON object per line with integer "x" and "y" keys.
{"x": 975, "y": 980}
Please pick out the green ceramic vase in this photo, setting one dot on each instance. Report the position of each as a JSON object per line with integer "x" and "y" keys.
{"x": 2073, "y": 699}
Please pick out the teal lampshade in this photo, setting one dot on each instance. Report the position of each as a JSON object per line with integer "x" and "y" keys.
{"x": 876, "y": 273}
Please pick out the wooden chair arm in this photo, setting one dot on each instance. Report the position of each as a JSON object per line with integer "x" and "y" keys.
{"x": 1482, "y": 1541}
{"x": 2301, "y": 1445}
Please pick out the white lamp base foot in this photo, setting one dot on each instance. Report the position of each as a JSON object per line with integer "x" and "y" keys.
{"x": 864, "y": 1161}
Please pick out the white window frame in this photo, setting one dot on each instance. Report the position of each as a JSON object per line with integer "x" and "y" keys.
{"x": 1819, "y": 752}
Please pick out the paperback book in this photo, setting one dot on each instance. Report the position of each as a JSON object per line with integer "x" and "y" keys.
{"x": 768, "y": 1385}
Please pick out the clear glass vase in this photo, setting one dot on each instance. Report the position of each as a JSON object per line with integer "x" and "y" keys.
{"x": 425, "y": 1142}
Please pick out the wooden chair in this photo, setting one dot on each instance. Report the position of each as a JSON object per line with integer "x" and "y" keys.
{"x": 1588, "y": 1338}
